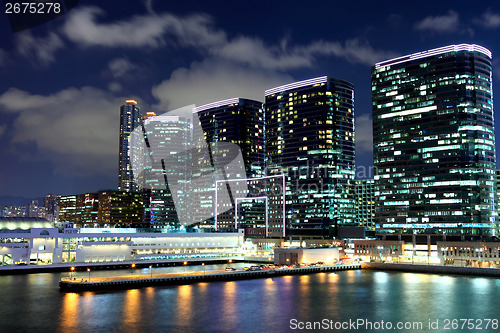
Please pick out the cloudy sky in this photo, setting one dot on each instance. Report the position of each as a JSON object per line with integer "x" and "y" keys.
{"x": 62, "y": 82}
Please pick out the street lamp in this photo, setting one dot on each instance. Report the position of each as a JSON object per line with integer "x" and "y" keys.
{"x": 88, "y": 270}
{"x": 133, "y": 266}
{"x": 204, "y": 269}
{"x": 71, "y": 273}
{"x": 150, "y": 271}
{"x": 185, "y": 263}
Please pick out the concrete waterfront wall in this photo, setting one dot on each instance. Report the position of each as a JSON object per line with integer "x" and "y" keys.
{"x": 75, "y": 286}
{"x": 433, "y": 269}
{"x": 82, "y": 267}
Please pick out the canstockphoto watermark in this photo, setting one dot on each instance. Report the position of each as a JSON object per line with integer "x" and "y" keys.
{"x": 446, "y": 324}
{"x": 355, "y": 325}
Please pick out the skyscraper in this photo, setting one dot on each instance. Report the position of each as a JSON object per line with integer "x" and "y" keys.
{"x": 130, "y": 118}
{"x": 221, "y": 132}
{"x": 239, "y": 121}
{"x": 434, "y": 140}
{"x": 310, "y": 139}
{"x": 166, "y": 175}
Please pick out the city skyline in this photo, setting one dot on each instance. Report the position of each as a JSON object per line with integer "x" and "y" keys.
{"x": 59, "y": 106}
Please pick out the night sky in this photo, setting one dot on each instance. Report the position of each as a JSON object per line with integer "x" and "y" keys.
{"x": 62, "y": 83}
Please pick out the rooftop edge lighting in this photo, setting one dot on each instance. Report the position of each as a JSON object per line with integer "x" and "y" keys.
{"x": 163, "y": 118}
{"x": 296, "y": 85}
{"x": 224, "y": 102}
{"x": 433, "y": 52}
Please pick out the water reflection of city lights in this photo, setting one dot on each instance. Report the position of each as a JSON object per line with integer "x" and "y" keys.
{"x": 184, "y": 300}
{"x": 481, "y": 285}
{"x": 381, "y": 277}
{"x": 333, "y": 277}
{"x": 69, "y": 313}
{"x": 132, "y": 309}
{"x": 230, "y": 305}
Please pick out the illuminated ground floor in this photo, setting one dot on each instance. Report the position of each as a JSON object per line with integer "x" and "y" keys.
{"x": 462, "y": 253}
{"x": 49, "y": 246}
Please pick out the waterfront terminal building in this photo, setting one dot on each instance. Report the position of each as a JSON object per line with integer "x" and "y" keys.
{"x": 36, "y": 241}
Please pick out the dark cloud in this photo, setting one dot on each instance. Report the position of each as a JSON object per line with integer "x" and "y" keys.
{"x": 440, "y": 23}
{"x": 76, "y": 129}
{"x": 40, "y": 50}
{"x": 212, "y": 80}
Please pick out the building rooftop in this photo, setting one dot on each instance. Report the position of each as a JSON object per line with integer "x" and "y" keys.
{"x": 296, "y": 85}
{"x": 235, "y": 100}
{"x": 433, "y": 52}
{"x": 24, "y": 223}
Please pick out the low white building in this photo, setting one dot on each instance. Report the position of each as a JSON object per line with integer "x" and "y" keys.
{"x": 49, "y": 245}
{"x": 293, "y": 256}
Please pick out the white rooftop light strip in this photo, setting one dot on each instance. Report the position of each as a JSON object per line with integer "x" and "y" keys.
{"x": 295, "y": 85}
{"x": 409, "y": 112}
{"x": 162, "y": 118}
{"x": 429, "y": 53}
{"x": 216, "y": 104}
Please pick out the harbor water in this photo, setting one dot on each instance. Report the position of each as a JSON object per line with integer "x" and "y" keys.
{"x": 33, "y": 303}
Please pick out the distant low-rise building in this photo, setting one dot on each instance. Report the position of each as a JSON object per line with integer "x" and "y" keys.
{"x": 103, "y": 209}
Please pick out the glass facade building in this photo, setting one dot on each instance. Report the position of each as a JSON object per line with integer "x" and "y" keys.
{"x": 310, "y": 139}
{"x": 434, "y": 141}
{"x": 130, "y": 118}
{"x": 238, "y": 121}
{"x": 168, "y": 171}
{"x": 229, "y": 144}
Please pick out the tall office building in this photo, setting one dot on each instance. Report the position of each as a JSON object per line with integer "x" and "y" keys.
{"x": 434, "y": 141}
{"x": 229, "y": 140}
{"x": 238, "y": 121}
{"x": 498, "y": 192}
{"x": 130, "y": 118}
{"x": 310, "y": 139}
{"x": 168, "y": 172}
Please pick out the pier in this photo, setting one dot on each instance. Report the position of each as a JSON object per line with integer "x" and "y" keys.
{"x": 132, "y": 282}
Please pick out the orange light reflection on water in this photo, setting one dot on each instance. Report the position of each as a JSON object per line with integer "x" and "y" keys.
{"x": 132, "y": 310}
{"x": 230, "y": 305}
{"x": 69, "y": 312}
{"x": 184, "y": 306}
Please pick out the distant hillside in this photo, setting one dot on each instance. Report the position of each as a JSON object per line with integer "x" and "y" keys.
{"x": 8, "y": 200}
